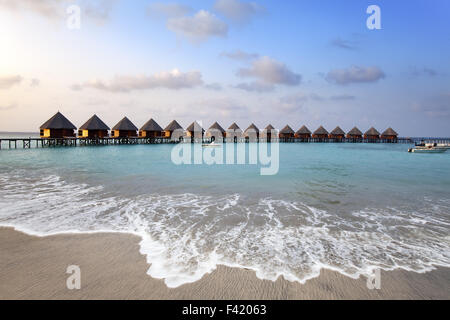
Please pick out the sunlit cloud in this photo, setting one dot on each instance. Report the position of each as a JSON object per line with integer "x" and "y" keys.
{"x": 240, "y": 55}
{"x": 255, "y": 87}
{"x": 355, "y": 74}
{"x": 7, "y": 82}
{"x": 343, "y": 97}
{"x": 95, "y": 10}
{"x": 168, "y": 10}
{"x": 239, "y": 11}
{"x": 270, "y": 71}
{"x": 8, "y": 107}
{"x": 200, "y": 27}
{"x": 174, "y": 80}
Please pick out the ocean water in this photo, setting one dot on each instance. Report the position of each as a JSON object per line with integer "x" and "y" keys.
{"x": 351, "y": 208}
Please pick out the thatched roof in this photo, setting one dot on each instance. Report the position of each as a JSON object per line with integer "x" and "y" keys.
{"x": 58, "y": 121}
{"x": 216, "y": 126}
{"x": 234, "y": 126}
{"x": 269, "y": 128}
{"x": 338, "y": 132}
{"x": 287, "y": 130}
{"x": 303, "y": 130}
{"x": 125, "y": 125}
{"x": 372, "y": 132}
{"x": 252, "y": 127}
{"x": 390, "y": 132}
{"x": 320, "y": 131}
{"x": 151, "y": 125}
{"x": 94, "y": 123}
{"x": 355, "y": 132}
{"x": 174, "y": 125}
{"x": 195, "y": 127}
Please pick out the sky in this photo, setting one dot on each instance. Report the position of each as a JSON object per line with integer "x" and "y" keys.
{"x": 299, "y": 62}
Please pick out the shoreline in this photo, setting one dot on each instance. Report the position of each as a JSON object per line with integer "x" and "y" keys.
{"x": 34, "y": 267}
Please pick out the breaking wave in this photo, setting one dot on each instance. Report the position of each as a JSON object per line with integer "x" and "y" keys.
{"x": 185, "y": 236}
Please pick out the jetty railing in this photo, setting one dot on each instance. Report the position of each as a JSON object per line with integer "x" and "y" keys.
{"x": 28, "y": 143}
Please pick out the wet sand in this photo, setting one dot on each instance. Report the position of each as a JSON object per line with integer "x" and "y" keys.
{"x": 112, "y": 268}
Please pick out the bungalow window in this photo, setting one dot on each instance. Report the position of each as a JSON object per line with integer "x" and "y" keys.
{"x": 41, "y": 132}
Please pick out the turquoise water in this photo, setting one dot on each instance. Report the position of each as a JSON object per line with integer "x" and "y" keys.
{"x": 346, "y": 207}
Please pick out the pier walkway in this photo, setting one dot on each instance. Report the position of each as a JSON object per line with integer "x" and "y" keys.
{"x": 28, "y": 143}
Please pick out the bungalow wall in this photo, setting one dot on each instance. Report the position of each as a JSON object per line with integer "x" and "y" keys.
{"x": 93, "y": 133}
{"x": 123, "y": 134}
{"x": 286, "y": 135}
{"x": 57, "y": 133}
{"x": 302, "y": 136}
{"x": 150, "y": 134}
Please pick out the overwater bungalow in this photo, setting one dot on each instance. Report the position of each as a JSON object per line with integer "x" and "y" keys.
{"x": 234, "y": 133}
{"x": 337, "y": 134}
{"x": 267, "y": 132}
{"x": 303, "y": 133}
{"x": 195, "y": 130}
{"x": 372, "y": 134}
{"x": 287, "y": 133}
{"x": 389, "y": 135}
{"x": 57, "y": 126}
{"x": 216, "y": 130}
{"x": 252, "y": 132}
{"x": 320, "y": 134}
{"x": 171, "y": 128}
{"x": 93, "y": 128}
{"x": 151, "y": 129}
{"x": 124, "y": 129}
{"x": 234, "y": 128}
{"x": 355, "y": 134}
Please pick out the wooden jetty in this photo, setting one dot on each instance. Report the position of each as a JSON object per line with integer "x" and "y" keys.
{"x": 28, "y": 143}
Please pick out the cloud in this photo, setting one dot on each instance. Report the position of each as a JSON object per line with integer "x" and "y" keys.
{"x": 174, "y": 80}
{"x": 8, "y": 107}
{"x": 46, "y": 8}
{"x": 355, "y": 74}
{"x": 292, "y": 103}
{"x": 344, "y": 44}
{"x": 255, "y": 87}
{"x": 240, "y": 55}
{"x": 76, "y": 87}
{"x": 209, "y": 110}
{"x": 213, "y": 86}
{"x": 238, "y": 11}
{"x": 200, "y": 27}
{"x": 435, "y": 107}
{"x": 34, "y": 82}
{"x": 168, "y": 10}
{"x": 417, "y": 72}
{"x": 223, "y": 108}
{"x": 270, "y": 71}
{"x": 10, "y": 81}
{"x": 316, "y": 97}
{"x": 343, "y": 97}
{"x": 96, "y": 10}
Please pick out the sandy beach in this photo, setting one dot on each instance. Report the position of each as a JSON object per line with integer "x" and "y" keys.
{"x": 112, "y": 268}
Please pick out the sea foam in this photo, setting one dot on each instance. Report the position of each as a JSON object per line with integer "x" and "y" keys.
{"x": 185, "y": 236}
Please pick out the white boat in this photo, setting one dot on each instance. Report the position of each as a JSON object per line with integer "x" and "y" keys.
{"x": 212, "y": 145}
{"x": 443, "y": 146}
{"x": 428, "y": 149}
